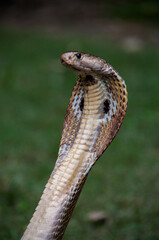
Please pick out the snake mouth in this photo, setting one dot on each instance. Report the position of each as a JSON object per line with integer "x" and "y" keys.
{"x": 63, "y": 60}
{"x": 66, "y": 61}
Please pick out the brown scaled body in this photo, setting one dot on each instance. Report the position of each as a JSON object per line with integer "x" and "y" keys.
{"x": 94, "y": 115}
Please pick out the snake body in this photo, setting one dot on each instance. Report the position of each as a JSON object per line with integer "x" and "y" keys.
{"x": 94, "y": 115}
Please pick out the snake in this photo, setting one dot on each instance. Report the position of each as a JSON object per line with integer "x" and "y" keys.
{"x": 94, "y": 115}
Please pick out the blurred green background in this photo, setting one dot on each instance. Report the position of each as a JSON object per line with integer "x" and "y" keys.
{"x": 34, "y": 93}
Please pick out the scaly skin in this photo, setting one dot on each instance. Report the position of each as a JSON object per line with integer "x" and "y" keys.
{"x": 94, "y": 115}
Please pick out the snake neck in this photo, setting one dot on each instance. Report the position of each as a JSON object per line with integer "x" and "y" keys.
{"x": 93, "y": 117}
{"x": 66, "y": 181}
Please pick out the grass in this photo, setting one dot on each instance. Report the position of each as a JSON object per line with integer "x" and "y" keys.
{"x": 34, "y": 93}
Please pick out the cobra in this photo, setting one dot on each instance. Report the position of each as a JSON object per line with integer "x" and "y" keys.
{"x": 94, "y": 115}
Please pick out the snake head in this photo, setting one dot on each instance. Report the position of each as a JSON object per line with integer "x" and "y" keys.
{"x": 84, "y": 63}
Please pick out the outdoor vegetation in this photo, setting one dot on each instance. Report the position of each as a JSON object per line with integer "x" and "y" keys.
{"x": 34, "y": 93}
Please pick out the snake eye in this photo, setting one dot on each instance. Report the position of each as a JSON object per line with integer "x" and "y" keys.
{"x": 78, "y": 55}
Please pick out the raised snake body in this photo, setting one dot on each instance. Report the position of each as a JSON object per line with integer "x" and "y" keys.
{"x": 94, "y": 115}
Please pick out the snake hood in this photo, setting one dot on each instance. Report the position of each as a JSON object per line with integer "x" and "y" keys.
{"x": 85, "y": 63}
{"x": 94, "y": 115}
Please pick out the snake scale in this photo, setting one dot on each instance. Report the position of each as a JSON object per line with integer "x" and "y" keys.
{"x": 94, "y": 115}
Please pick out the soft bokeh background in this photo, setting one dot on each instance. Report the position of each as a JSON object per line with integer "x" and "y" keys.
{"x": 34, "y": 93}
